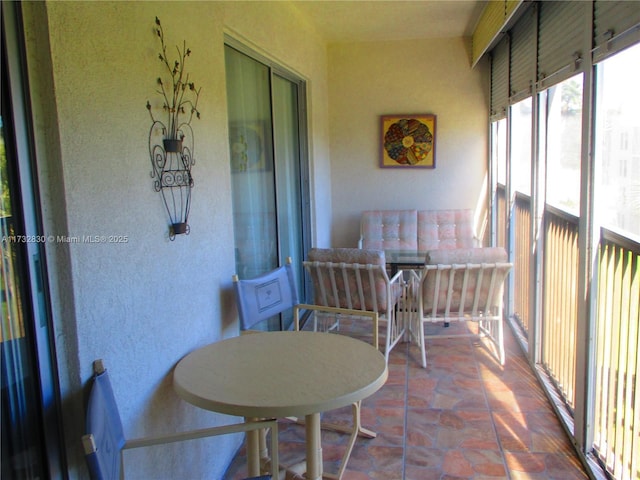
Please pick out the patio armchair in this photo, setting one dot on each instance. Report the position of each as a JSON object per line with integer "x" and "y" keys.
{"x": 354, "y": 282}
{"x": 461, "y": 285}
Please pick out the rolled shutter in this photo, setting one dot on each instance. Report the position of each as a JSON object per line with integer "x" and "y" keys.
{"x": 500, "y": 79}
{"x": 523, "y": 53}
{"x": 616, "y": 25}
{"x": 562, "y": 32}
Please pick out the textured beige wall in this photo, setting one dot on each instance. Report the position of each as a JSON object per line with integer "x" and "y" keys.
{"x": 406, "y": 77}
{"x": 143, "y": 304}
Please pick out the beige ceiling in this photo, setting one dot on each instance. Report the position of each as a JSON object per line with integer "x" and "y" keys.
{"x": 368, "y": 20}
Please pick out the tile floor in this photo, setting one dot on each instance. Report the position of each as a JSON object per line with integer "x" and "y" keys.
{"x": 463, "y": 417}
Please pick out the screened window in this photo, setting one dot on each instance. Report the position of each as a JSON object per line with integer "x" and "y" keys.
{"x": 563, "y": 144}
{"x": 584, "y": 147}
{"x": 618, "y": 142}
{"x": 521, "y": 118}
{"x": 499, "y": 173}
{"x": 499, "y": 149}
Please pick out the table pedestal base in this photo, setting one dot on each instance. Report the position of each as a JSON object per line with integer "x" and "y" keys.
{"x": 314, "y": 446}
{"x": 253, "y": 451}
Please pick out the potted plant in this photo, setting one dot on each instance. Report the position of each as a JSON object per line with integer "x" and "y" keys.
{"x": 180, "y": 95}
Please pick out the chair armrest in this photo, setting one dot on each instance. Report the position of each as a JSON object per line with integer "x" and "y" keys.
{"x": 322, "y": 308}
{"x": 398, "y": 277}
{"x": 201, "y": 433}
{"x": 338, "y": 311}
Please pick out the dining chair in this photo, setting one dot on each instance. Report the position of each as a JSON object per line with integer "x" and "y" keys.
{"x": 104, "y": 441}
{"x": 461, "y": 285}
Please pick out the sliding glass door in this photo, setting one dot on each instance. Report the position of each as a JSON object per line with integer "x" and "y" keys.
{"x": 29, "y": 399}
{"x": 289, "y": 204}
{"x": 268, "y": 166}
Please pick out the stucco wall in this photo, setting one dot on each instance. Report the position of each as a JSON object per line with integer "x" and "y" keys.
{"x": 145, "y": 302}
{"x": 405, "y": 77}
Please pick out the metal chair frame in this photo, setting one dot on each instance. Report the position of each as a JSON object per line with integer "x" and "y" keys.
{"x": 460, "y": 292}
{"x": 99, "y": 450}
{"x": 328, "y": 279}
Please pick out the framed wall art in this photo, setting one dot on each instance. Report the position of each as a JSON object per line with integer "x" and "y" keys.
{"x": 408, "y": 141}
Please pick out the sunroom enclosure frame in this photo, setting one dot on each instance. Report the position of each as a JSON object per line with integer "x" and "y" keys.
{"x": 574, "y": 292}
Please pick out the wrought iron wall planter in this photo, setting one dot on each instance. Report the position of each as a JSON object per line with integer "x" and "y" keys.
{"x": 171, "y": 161}
{"x": 171, "y": 140}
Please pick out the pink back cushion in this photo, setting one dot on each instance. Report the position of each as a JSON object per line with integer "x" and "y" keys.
{"x": 389, "y": 229}
{"x": 475, "y": 256}
{"x": 445, "y": 229}
{"x": 336, "y": 256}
{"x": 466, "y": 255}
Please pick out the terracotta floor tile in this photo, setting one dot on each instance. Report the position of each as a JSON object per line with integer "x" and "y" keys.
{"x": 455, "y": 463}
{"x": 465, "y": 416}
{"x": 424, "y": 457}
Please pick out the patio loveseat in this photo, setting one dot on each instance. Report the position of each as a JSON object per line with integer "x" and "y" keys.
{"x": 417, "y": 230}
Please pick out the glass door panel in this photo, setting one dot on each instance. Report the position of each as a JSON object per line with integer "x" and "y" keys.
{"x": 252, "y": 165}
{"x": 267, "y": 169}
{"x": 32, "y": 443}
{"x": 23, "y": 453}
{"x": 22, "y": 456}
{"x": 289, "y": 195}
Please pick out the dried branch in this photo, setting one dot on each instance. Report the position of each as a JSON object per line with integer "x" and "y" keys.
{"x": 183, "y": 93}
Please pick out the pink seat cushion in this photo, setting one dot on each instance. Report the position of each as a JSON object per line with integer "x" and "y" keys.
{"x": 466, "y": 255}
{"x": 347, "y": 255}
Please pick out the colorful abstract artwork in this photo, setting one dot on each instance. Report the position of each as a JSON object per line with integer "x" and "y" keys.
{"x": 408, "y": 141}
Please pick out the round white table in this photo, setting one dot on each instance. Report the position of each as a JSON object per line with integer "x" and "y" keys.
{"x": 281, "y": 374}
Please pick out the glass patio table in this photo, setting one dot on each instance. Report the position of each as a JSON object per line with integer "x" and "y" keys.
{"x": 397, "y": 259}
